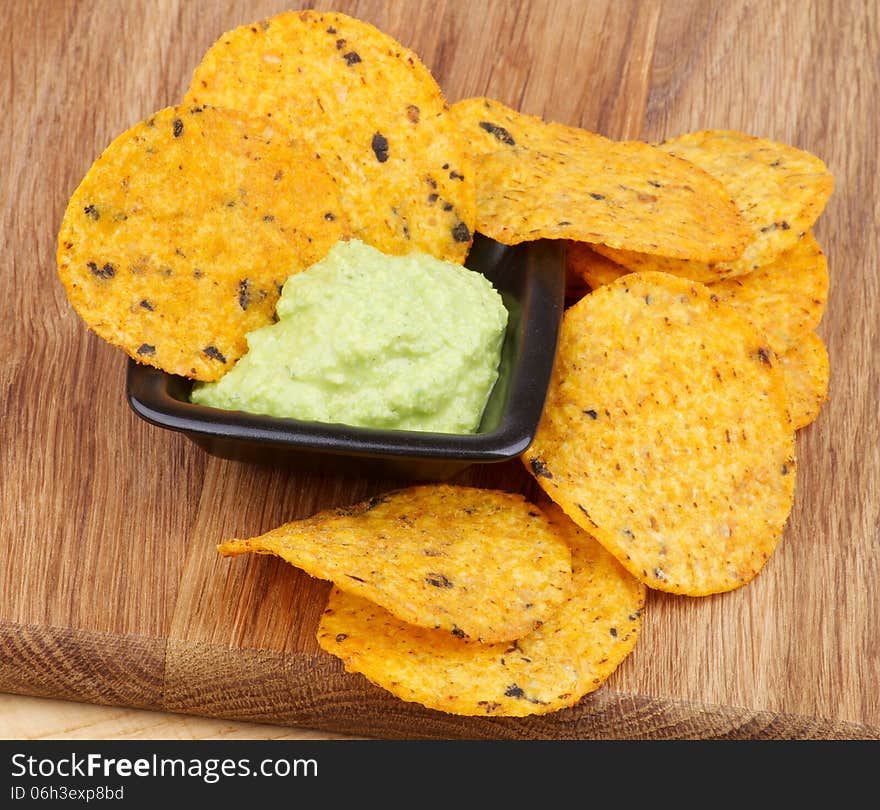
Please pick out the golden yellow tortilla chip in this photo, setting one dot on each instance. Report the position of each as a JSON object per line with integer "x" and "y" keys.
{"x": 806, "y": 371}
{"x": 545, "y": 180}
{"x": 779, "y": 190}
{"x": 634, "y": 262}
{"x": 490, "y": 125}
{"x": 373, "y": 111}
{"x": 475, "y": 563}
{"x": 572, "y": 654}
{"x": 666, "y": 434}
{"x": 785, "y": 299}
{"x": 583, "y": 262}
{"x": 178, "y": 239}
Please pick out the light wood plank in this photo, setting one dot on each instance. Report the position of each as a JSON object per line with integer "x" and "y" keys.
{"x": 30, "y": 718}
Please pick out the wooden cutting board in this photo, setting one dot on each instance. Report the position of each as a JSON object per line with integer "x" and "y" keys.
{"x": 111, "y": 591}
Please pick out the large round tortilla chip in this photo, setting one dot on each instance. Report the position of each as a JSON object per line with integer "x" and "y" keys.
{"x": 545, "y": 180}
{"x": 569, "y": 656}
{"x": 785, "y": 299}
{"x": 372, "y": 109}
{"x": 806, "y": 371}
{"x": 779, "y": 190}
{"x": 177, "y": 241}
{"x": 473, "y": 563}
{"x": 666, "y": 434}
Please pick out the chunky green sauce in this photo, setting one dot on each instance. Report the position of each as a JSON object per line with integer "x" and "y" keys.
{"x": 366, "y": 339}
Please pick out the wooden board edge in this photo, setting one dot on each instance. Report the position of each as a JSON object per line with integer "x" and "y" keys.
{"x": 315, "y": 692}
{"x": 82, "y": 665}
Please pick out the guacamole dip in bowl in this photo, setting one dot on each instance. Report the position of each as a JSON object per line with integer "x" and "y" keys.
{"x": 530, "y": 280}
{"x": 371, "y": 340}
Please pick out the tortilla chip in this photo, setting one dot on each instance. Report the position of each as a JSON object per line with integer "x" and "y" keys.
{"x": 583, "y": 262}
{"x": 475, "y": 563}
{"x": 490, "y": 126}
{"x": 373, "y": 111}
{"x": 178, "y": 239}
{"x": 539, "y": 180}
{"x": 785, "y": 299}
{"x": 806, "y": 371}
{"x": 576, "y": 286}
{"x": 634, "y": 262}
{"x": 779, "y": 190}
{"x": 666, "y": 434}
{"x": 569, "y": 656}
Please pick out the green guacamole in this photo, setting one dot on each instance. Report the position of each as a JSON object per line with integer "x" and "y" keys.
{"x": 366, "y": 339}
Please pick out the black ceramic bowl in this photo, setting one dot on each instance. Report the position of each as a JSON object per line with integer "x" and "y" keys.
{"x": 531, "y": 280}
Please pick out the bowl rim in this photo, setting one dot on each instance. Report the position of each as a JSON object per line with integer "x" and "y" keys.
{"x": 149, "y": 390}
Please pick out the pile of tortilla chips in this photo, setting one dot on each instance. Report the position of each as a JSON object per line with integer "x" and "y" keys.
{"x": 687, "y": 358}
{"x": 466, "y": 600}
{"x": 689, "y": 361}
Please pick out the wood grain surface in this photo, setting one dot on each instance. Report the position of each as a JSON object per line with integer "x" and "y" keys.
{"x": 31, "y": 718}
{"x": 111, "y": 591}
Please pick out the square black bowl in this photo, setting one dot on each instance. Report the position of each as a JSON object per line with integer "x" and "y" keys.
{"x": 531, "y": 280}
